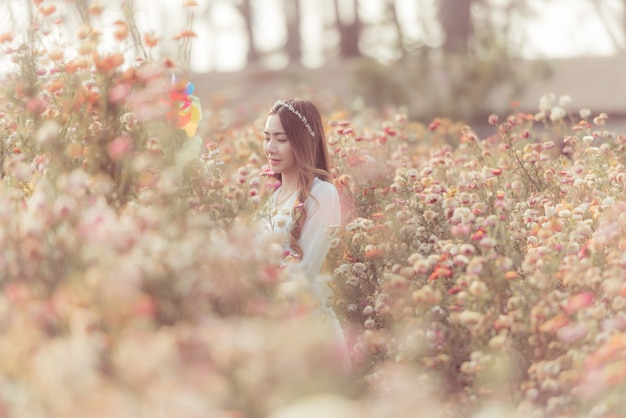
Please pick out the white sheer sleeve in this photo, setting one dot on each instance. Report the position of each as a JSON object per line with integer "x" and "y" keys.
{"x": 323, "y": 212}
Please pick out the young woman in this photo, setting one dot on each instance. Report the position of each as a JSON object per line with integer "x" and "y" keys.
{"x": 306, "y": 206}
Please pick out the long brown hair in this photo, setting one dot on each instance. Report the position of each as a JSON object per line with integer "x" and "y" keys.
{"x": 310, "y": 151}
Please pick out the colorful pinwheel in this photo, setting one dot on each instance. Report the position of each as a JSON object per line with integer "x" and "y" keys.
{"x": 187, "y": 107}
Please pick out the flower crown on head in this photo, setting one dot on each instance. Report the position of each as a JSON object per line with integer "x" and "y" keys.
{"x": 297, "y": 113}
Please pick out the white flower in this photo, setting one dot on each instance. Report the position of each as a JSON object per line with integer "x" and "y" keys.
{"x": 546, "y": 102}
{"x": 565, "y": 100}
{"x": 469, "y": 317}
{"x": 48, "y": 132}
{"x": 565, "y": 213}
{"x": 588, "y": 139}
{"x": 488, "y": 243}
{"x": 359, "y": 268}
{"x": 557, "y": 113}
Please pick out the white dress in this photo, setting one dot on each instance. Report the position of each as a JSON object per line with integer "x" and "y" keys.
{"x": 323, "y": 211}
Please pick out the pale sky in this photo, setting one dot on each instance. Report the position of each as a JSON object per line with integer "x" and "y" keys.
{"x": 568, "y": 28}
{"x": 561, "y": 29}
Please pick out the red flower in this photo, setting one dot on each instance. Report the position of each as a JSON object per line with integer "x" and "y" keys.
{"x": 355, "y": 160}
{"x": 434, "y": 125}
{"x": 479, "y": 234}
{"x": 440, "y": 272}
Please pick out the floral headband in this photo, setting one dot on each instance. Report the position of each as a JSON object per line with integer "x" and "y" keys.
{"x": 297, "y": 113}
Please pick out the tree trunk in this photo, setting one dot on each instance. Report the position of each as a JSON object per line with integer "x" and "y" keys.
{"x": 456, "y": 22}
{"x": 349, "y": 32}
{"x": 246, "y": 12}
{"x": 293, "y": 46}
{"x": 391, "y": 7}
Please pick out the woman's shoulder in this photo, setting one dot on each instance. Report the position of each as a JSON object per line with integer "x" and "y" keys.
{"x": 323, "y": 188}
{"x": 325, "y": 196}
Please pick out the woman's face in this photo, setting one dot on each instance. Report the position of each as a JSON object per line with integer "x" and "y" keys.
{"x": 277, "y": 147}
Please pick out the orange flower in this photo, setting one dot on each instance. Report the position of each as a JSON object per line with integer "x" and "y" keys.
{"x": 95, "y": 10}
{"x": 92, "y": 97}
{"x": 552, "y": 325}
{"x": 74, "y": 150}
{"x": 108, "y": 63}
{"x": 55, "y": 85}
{"x": 130, "y": 75}
{"x": 6, "y": 37}
{"x": 188, "y": 33}
{"x": 86, "y": 48}
{"x": 76, "y": 64}
{"x": 150, "y": 40}
{"x": 614, "y": 373}
{"x": 84, "y": 32}
{"x": 371, "y": 251}
{"x": 611, "y": 350}
{"x": 47, "y": 10}
{"x": 56, "y": 54}
{"x": 122, "y": 30}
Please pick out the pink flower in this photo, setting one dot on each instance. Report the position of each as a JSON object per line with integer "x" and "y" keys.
{"x": 578, "y": 302}
{"x": 120, "y": 147}
{"x": 119, "y": 93}
{"x": 571, "y": 332}
{"x": 460, "y": 230}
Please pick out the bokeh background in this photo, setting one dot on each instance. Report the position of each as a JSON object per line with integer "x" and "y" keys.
{"x": 459, "y": 58}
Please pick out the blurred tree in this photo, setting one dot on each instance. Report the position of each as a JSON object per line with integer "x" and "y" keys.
{"x": 456, "y": 22}
{"x": 293, "y": 44}
{"x": 391, "y": 14}
{"x": 471, "y": 58}
{"x": 245, "y": 8}
{"x": 349, "y": 30}
{"x": 128, "y": 7}
{"x": 604, "y": 11}
{"x": 623, "y": 49}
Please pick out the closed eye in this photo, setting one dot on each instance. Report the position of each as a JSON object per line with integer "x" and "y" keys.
{"x": 280, "y": 139}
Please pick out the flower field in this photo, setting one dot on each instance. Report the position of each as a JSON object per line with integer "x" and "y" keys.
{"x": 474, "y": 275}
